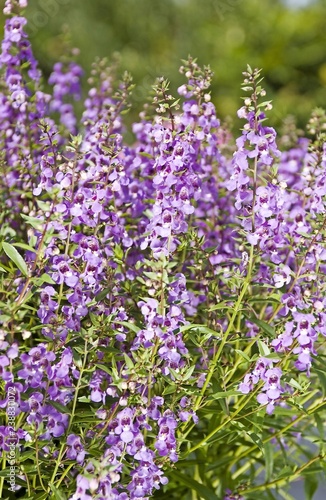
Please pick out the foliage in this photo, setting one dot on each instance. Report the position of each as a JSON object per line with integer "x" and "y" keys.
{"x": 162, "y": 304}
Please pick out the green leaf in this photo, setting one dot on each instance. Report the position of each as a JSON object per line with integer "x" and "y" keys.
{"x": 16, "y": 258}
{"x": 24, "y": 246}
{"x": 295, "y": 384}
{"x": 94, "y": 318}
{"x": 45, "y": 206}
{"x": 84, "y": 419}
{"x": 188, "y": 373}
{"x": 217, "y": 388}
{"x": 175, "y": 374}
{"x": 252, "y": 435}
{"x": 4, "y": 318}
{"x": 26, "y": 455}
{"x": 175, "y": 103}
{"x": 85, "y": 399}
{"x": 221, "y": 305}
{"x": 3, "y": 270}
{"x": 102, "y": 295}
{"x": 200, "y": 329}
{"x": 170, "y": 389}
{"x": 150, "y": 275}
{"x": 287, "y": 471}
{"x": 322, "y": 378}
{"x": 270, "y": 298}
{"x": 243, "y": 355}
{"x": 118, "y": 252}
{"x": 203, "y": 491}
{"x": 256, "y": 439}
{"x": 146, "y": 155}
{"x": 321, "y": 429}
{"x": 30, "y": 469}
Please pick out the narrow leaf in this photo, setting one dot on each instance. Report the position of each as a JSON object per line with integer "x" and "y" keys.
{"x": 44, "y": 278}
{"x": 170, "y": 389}
{"x": 24, "y": 246}
{"x": 310, "y": 486}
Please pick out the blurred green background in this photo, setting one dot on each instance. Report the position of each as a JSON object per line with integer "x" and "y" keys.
{"x": 284, "y": 37}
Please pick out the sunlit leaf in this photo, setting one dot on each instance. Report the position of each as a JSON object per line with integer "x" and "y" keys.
{"x": 16, "y": 258}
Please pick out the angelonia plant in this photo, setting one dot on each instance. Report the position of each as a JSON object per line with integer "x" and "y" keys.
{"x": 162, "y": 304}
